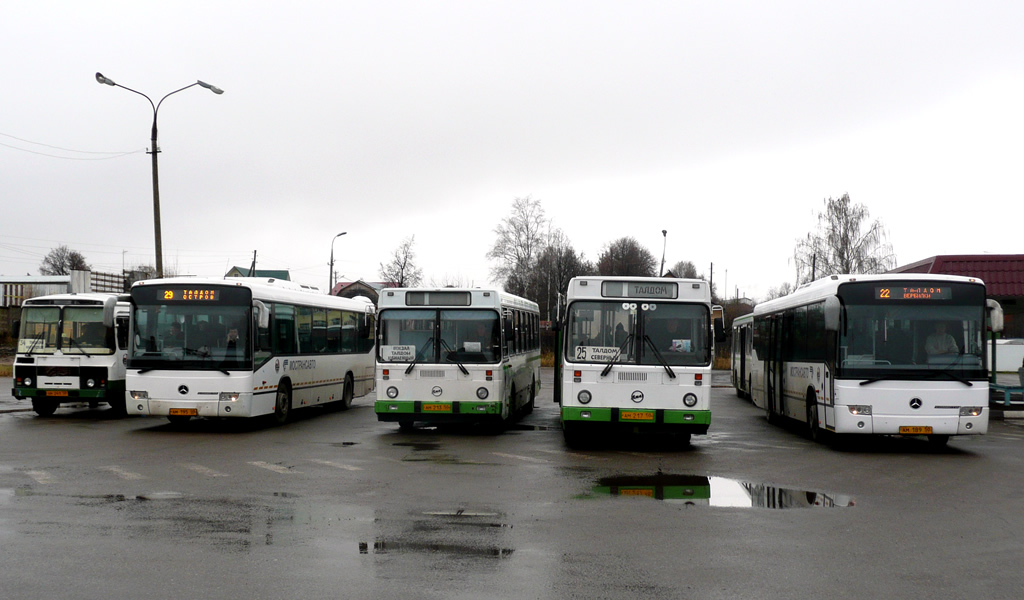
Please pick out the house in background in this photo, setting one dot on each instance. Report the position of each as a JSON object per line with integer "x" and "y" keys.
{"x": 270, "y": 273}
{"x": 1003, "y": 275}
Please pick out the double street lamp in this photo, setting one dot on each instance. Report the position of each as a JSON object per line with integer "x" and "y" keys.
{"x": 330, "y": 281}
{"x": 154, "y": 150}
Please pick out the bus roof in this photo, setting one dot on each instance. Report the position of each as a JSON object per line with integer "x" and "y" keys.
{"x": 649, "y": 288}
{"x": 269, "y": 289}
{"x": 490, "y": 297}
{"x": 829, "y": 286}
{"x": 85, "y": 298}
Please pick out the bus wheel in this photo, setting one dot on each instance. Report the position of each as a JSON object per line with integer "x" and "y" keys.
{"x": 938, "y": 440}
{"x": 405, "y": 425}
{"x": 682, "y": 439}
{"x": 533, "y": 398}
{"x": 44, "y": 408}
{"x": 813, "y": 431}
{"x": 283, "y": 405}
{"x": 347, "y": 393}
{"x": 117, "y": 407}
{"x": 574, "y": 438}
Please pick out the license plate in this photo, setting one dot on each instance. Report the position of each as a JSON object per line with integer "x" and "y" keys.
{"x": 636, "y": 415}
{"x": 916, "y": 430}
{"x": 435, "y": 407}
{"x": 56, "y": 393}
{"x": 184, "y": 412}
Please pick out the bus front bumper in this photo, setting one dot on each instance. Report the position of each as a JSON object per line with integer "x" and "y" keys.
{"x": 882, "y": 424}
{"x": 436, "y": 412}
{"x": 646, "y": 420}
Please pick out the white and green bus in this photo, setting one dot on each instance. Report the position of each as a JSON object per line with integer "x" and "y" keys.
{"x": 636, "y": 356}
{"x": 456, "y": 356}
{"x": 244, "y": 347}
{"x": 72, "y": 348}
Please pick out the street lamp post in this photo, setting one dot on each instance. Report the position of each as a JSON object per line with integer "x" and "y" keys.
{"x": 330, "y": 281}
{"x": 154, "y": 150}
{"x": 664, "y": 234}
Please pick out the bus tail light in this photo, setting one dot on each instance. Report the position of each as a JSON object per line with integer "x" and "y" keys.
{"x": 698, "y": 380}
{"x": 970, "y": 411}
{"x": 577, "y": 376}
{"x": 385, "y": 373}
{"x": 490, "y": 375}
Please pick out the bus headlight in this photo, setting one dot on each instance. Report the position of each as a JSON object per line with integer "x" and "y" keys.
{"x": 28, "y": 382}
{"x": 690, "y": 400}
{"x": 228, "y": 396}
{"x": 139, "y": 395}
{"x": 482, "y": 393}
{"x": 970, "y": 411}
{"x": 392, "y": 392}
{"x": 860, "y": 409}
{"x": 583, "y": 397}
{"x": 90, "y": 383}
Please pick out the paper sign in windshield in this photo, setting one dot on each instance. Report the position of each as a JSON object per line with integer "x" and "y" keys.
{"x": 398, "y": 353}
{"x": 598, "y": 353}
{"x": 681, "y": 346}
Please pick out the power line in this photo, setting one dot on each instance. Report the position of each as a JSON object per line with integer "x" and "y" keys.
{"x": 109, "y": 156}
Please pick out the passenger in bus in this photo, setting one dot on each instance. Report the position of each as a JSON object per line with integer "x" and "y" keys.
{"x": 941, "y": 342}
{"x": 174, "y": 338}
{"x": 93, "y": 335}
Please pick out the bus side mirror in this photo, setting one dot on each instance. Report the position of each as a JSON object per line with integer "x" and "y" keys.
{"x": 995, "y": 315}
{"x": 719, "y": 330}
{"x": 109, "y": 304}
{"x": 262, "y": 314}
{"x": 16, "y": 328}
{"x": 832, "y": 311}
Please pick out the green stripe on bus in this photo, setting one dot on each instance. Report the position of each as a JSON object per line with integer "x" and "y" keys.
{"x": 670, "y": 417}
{"x": 408, "y": 407}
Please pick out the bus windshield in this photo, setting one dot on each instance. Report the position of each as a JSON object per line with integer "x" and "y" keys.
{"x": 466, "y": 336}
{"x": 81, "y": 330}
{"x": 880, "y": 337}
{"x": 39, "y": 330}
{"x": 194, "y": 335}
{"x": 650, "y": 333}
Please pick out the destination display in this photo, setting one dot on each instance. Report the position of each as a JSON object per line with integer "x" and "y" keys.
{"x": 396, "y": 353}
{"x": 914, "y": 293}
{"x": 639, "y": 289}
{"x": 598, "y": 353}
{"x": 185, "y": 294}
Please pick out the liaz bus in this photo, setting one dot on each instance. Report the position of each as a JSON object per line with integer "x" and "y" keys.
{"x": 245, "y": 347}
{"x": 636, "y": 356}
{"x": 72, "y": 348}
{"x": 876, "y": 354}
{"x": 742, "y": 344}
{"x": 456, "y": 356}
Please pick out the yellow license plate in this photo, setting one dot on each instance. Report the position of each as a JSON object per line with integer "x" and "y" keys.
{"x": 56, "y": 393}
{"x": 645, "y": 492}
{"x": 916, "y": 430}
{"x": 184, "y": 412}
{"x": 636, "y": 415}
{"x": 435, "y": 407}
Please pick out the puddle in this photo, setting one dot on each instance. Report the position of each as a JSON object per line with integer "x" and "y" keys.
{"x": 385, "y": 547}
{"x": 460, "y": 533}
{"x": 694, "y": 490}
{"x": 420, "y": 446}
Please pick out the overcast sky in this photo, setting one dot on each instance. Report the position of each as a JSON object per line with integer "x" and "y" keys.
{"x": 725, "y": 123}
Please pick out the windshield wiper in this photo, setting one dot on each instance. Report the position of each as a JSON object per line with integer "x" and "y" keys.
{"x": 418, "y": 350}
{"x": 448, "y": 357}
{"x": 613, "y": 359}
{"x": 33, "y": 346}
{"x": 661, "y": 359}
{"x": 951, "y": 375}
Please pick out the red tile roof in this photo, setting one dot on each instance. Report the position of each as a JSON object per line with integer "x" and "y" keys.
{"x": 1003, "y": 274}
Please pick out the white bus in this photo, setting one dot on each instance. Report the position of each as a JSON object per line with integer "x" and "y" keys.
{"x": 245, "y": 347}
{"x": 72, "y": 348}
{"x": 742, "y": 346}
{"x": 636, "y": 355}
{"x": 876, "y": 354}
{"x": 456, "y": 355}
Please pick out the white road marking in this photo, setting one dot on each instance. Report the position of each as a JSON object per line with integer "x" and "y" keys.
{"x": 204, "y": 470}
{"x": 40, "y": 477}
{"x": 335, "y": 465}
{"x": 274, "y": 468}
{"x": 519, "y": 457}
{"x": 123, "y": 474}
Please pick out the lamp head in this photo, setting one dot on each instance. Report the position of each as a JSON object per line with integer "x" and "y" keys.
{"x": 100, "y": 78}
{"x": 212, "y": 88}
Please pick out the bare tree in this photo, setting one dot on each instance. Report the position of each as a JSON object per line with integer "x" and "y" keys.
{"x": 448, "y": 281}
{"x": 402, "y": 271}
{"x": 62, "y": 260}
{"x": 842, "y": 245}
{"x": 778, "y": 292}
{"x": 625, "y": 256}
{"x": 519, "y": 240}
{"x": 557, "y": 264}
{"x": 684, "y": 269}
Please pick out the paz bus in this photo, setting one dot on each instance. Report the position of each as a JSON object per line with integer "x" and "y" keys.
{"x": 245, "y": 347}
{"x": 71, "y": 348}
{"x": 876, "y": 354}
{"x": 456, "y": 356}
{"x": 636, "y": 356}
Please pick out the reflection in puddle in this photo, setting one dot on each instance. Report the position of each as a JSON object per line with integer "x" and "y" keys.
{"x": 715, "y": 491}
{"x": 459, "y": 533}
